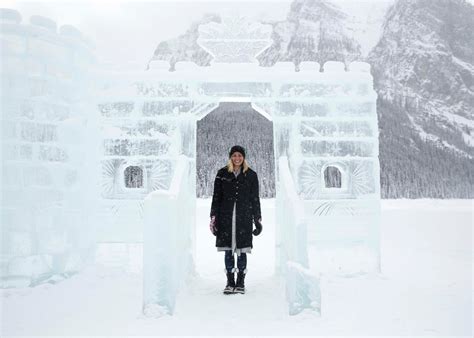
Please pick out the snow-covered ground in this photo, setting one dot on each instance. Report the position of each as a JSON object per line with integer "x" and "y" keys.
{"x": 425, "y": 287}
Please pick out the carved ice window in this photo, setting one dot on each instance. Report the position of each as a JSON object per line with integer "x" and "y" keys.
{"x": 133, "y": 176}
{"x": 332, "y": 177}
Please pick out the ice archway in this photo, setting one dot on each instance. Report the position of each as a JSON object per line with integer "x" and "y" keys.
{"x": 321, "y": 119}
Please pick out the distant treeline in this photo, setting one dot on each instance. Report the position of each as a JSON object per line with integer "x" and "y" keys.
{"x": 413, "y": 168}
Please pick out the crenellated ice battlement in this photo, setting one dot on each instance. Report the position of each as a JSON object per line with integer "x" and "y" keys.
{"x": 331, "y": 73}
{"x": 285, "y": 67}
{"x": 14, "y": 29}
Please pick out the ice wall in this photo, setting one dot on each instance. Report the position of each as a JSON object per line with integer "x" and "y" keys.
{"x": 145, "y": 124}
{"x": 324, "y": 122}
{"x": 334, "y": 156}
{"x": 46, "y": 173}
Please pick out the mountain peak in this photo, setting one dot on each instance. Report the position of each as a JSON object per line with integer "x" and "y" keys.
{"x": 314, "y": 10}
{"x": 315, "y": 30}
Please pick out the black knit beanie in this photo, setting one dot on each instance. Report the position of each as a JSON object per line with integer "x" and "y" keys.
{"x": 238, "y": 149}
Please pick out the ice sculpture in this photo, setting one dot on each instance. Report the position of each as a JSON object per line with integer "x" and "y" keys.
{"x": 325, "y": 129}
{"x": 236, "y": 39}
{"x": 46, "y": 177}
{"x": 325, "y": 144}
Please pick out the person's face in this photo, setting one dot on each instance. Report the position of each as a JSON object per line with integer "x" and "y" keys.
{"x": 237, "y": 158}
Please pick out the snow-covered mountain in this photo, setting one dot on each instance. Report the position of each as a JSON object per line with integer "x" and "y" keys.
{"x": 185, "y": 47}
{"x": 424, "y": 75}
{"x": 313, "y": 31}
{"x": 422, "y": 55}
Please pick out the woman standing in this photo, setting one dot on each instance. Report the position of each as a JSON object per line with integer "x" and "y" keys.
{"x": 235, "y": 204}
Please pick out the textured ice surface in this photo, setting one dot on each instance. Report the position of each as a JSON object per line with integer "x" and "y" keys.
{"x": 168, "y": 257}
{"x": 47, "y": 196}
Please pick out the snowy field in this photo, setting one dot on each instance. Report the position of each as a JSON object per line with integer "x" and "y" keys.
{"x": 425, "y": 288}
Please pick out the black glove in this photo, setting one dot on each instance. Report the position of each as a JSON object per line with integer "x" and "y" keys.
{"x": 258, "y": 227}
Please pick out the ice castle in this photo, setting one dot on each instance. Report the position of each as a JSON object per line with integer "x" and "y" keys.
{"x": 92, "y": 154}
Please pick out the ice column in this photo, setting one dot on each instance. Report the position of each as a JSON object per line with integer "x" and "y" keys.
{"x": 302, "y": 285}
{"x": 168, "y": 242}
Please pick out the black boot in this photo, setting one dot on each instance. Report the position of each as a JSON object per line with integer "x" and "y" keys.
{"x": 240, "y": 285}
{"x": 229, "y": 288}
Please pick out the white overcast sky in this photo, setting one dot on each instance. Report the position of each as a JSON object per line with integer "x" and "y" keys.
{"x": 129, "y": 31}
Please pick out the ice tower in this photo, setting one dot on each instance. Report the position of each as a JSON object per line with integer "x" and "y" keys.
{"x": 46, "y": 204}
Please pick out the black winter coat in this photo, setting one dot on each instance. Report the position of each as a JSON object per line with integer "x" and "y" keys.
{"x": 242, "y": 189}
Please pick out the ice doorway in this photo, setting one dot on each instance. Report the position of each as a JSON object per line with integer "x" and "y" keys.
{"x": 246, "y": 124}
{"x": 229, "y": 124}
